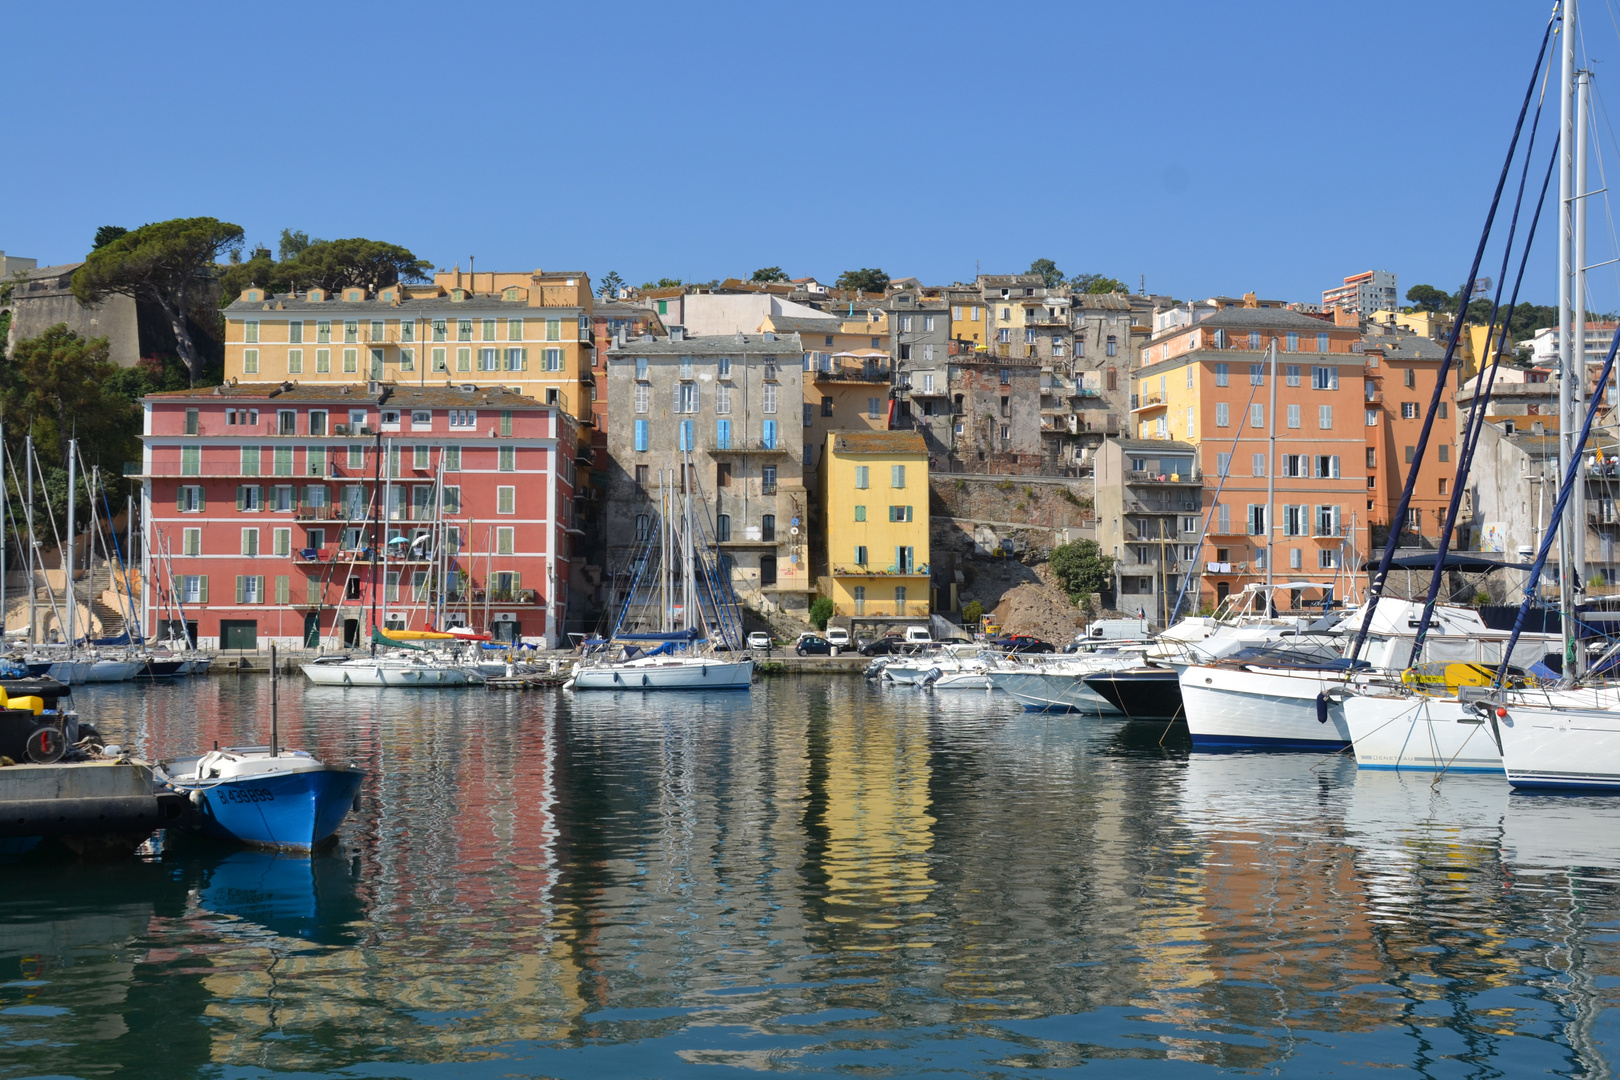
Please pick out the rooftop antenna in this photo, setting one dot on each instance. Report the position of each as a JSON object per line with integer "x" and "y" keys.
{"x": 1142, "y": 284}
{"x": 472, "y": 279}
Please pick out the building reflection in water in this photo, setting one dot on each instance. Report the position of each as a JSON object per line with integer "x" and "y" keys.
{"x": 819, "y": 874}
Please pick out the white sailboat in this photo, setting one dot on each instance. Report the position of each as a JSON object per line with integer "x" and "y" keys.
{"x": 696, "y": 612}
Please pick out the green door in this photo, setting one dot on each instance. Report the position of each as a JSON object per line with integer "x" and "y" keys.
{"x": 312, "y": 630}
{"x": 239, "y": 634}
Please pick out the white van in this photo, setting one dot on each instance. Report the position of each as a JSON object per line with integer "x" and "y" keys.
{"x": 918, "y": 635}
{"x": 837, "y": 637}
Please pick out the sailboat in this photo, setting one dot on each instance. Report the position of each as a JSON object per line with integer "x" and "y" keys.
{"x": 697, "y": 612}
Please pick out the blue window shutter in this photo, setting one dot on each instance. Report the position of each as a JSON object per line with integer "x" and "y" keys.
{"x": 641, "y": 434}
{"x": 722, "y": 434}
{"x": 770, "y": 434}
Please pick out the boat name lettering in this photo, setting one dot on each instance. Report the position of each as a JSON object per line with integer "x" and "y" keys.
{"x": 252, "y": 794}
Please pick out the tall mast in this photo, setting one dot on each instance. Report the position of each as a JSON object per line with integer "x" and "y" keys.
{"x": 1566, "y": 235}
{"x": 1271, "y": 475}
{"x": 33, "y": 552}
{"x": 388, "y": 519}
{"x": 1577, "y": 387}
{"x": 689, "y": 602}
{"x": 72, "y": 596}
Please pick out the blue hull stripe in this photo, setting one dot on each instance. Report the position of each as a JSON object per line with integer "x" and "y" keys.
{"x": 282, "y": 810}
{"x": 1256, "y": 742}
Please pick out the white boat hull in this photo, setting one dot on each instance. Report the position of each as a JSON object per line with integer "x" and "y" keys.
{"x": 108, "y": 671}
{"x": 668, "y": 675}
{"x": 1230, "y": 708}
{"x": 385, "y": 674}
{"x": 1570, "y": 740}
{"x": 70, "y": 672}
{"x": 1419, "y": 733}
{"x": 1042, "y": 691}
{"x": 964, "y": 680}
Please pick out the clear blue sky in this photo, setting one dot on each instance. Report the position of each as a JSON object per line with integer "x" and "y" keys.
{"x": 1214, "y": 148}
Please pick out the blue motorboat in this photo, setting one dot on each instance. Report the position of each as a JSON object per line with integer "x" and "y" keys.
{"x": 254, "y": 795}
{"x": 263, "y": 796}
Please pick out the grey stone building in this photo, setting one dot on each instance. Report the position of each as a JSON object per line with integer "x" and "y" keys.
{"x": 720, "y": 417}
{"x": 1149, "y": 516}
{"x": 43, "y": 296}
{"x": 920, "y": 336}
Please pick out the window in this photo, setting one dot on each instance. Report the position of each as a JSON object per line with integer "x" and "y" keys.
{"x": 250, "y": 461}
{"x": 1327, "y": 521}
{"x": 722, "y": 368}
{"x": 505, "y": 540}
{"x": 1223, "y": 464}
{"x": 769, "y": 394}
{"x": 1254, "y": 343}
{"x": 1257, "y": 415}
{"x": 190, "y": 499}
{"x": 463, "y": 359}
{"x": 1372, "y": 417}
{"x": 1295, "y": 559}
{"x": 1222, "y": 416}
{"x": 1257, "y": 519}
{"x": 687, "y": 397}
{"x": 874, "y": 408}
{"x": 900, "y": 513}
{"x": 1291, "y": 374}
{"x": 452, "y": 499}
{"x": 1321, "y": 343}
{"x": 1324, "y": 378}
{"x": 250, "y": 541}
{"x": 1327, "y": 559}
{"x": 860, "y": 513}
{"x": 767, "y": 527}
{"x": 191, "y": 461}
{"x": 722, "y": 434}
{"x": 506, "y": 500}
{"x": 767, "y": 480}
{"x": 1223, "y": 522}
{"x": 1443, "y": 413}
{"x": 722, "y": 399}
{"x": 281, "y": 542}
{"x": 1327, "y": 466}
{"x": 1294, "y": 522}
{"x": 862, "y": 475}
{"x": 1112, "y": 347}
{"x": 463, "y": 329}
{"x": 281, "y": 461}
{"x": 1411, "y": 454}
{"x": 897, "y": 476}
{"x": 440, "y": 330}
{"x": 1445, "y": 452}
{"x": 507, "y": 457}
{"x": 1324, "y": 417}
{"x": 643, "y": 397}
{"x": 722, "y": 528}
{"x": 1258, "y": 466}
{"x": 1409, "y": 410}
{"x": 641, "y": 435}
{"x": 1293, "y": 416}
{"x": 439, "y": 363}
{"x": 687, "y": 432}
{"x": 1293, "y": 341}
{"x": 1220, "y": 375}
{"x": 191, "y": 542}
{"x": 553, "y": 329}
{"x": 1372, "y": 459}
{"x": 1442, "y": 485}
{"x": 295, "y": 360}
{"x": 282, "y": 498}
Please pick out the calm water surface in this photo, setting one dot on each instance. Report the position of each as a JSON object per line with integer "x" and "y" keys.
{"x": 820, "y": 877}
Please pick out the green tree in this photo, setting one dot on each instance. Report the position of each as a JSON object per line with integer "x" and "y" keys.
{"x": 336, "y": 264}
{"x": 1429, "y": 298}
{"x": 972, "y": 611}
{"x": 59, "y": 386}
{"x": 106, "y": 235}
{"x": 1097, "y": 284}
{"x": 1082, "y": 569}
{"x": 820, "y": 612}
{"x": 170, "y": 264}
{"x": 662, "y": 283}
{"x": 293, "y": 243}
{"x": 610, "y": 285}
{"x": 866, "y": 279}
{"x": 1048, "y": 271}
{"x": 767, "y": 274}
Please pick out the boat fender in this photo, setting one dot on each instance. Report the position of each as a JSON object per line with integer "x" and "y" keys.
{"x": 354, "y": 806}
{"x": 644, "y": 680}
{"x": 1321, "y": 708}
{"x": 196, "y": 796}
{"x": 705, "y": 670}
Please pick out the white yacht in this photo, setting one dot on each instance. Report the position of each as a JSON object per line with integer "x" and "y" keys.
{"x": 423, "y": 670}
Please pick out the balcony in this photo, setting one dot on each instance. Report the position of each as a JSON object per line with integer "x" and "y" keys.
{"x": 1133, "y": 476}
{"x": 746, "y": 446}
{"x": 919, "y": 571}
{"x": 1147, "y": 402}
{"x": 865, "y": 375}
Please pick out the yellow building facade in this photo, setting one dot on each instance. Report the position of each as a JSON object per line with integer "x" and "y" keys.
{"x": 530, "y": 331}
{"x": 874, "y": 499}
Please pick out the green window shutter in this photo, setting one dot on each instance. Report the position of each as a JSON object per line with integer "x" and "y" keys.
{"x": 525, "y": 359}
{"x": 180, "y": 498}
{"x": 241, "y": 498}
{"x": 202, "y": 497}
{"x": 202, "y": 589}
{"x": 260, "y": 591}
{"x": 239, "y": 580}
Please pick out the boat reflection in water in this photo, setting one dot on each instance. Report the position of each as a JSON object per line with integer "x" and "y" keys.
{"x": 308, "y": 897}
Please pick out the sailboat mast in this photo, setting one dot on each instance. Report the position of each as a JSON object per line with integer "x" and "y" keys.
{"x": 689, "y": 603}
{"x": 1271, "y": 476}
{"x": 388, "y": 519}
{"x": 72, "y": 490}
{"x": 1577, "y": 388}
{"x": 1566, "y": 233}
{"x": 28, "y": 512}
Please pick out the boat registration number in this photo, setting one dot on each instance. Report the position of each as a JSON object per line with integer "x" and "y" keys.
{"x": 248, "y": 795}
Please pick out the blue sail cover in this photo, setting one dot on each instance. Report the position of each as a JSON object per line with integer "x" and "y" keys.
{"x": 689, "y": 634}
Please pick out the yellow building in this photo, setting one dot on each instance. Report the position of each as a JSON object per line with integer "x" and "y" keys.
{"x": 874, "y": 500}
{"x": 967, "y": 316}
{"x": 531, "y": 331}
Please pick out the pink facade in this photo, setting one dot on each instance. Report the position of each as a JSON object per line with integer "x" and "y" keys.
{"x": 267, "y": 509}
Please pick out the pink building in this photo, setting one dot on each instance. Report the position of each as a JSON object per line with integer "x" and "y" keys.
{"x": 268, "y": 508}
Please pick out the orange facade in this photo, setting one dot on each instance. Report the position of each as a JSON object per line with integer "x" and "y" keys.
{"x": 1398, "y": 387}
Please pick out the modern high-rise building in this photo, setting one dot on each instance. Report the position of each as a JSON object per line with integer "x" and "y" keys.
{"x": 1364, "y": 293}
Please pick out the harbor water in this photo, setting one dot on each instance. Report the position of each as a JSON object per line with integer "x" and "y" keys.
{"x": 821, "y": 876}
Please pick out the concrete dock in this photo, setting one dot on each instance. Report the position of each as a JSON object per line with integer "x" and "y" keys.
{"x": 104, "y": 806}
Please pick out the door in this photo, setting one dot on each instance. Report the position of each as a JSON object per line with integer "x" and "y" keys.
{"x": 506, "y": 631}
{"x": 312, "y": 630}
{"x": 351, "y": 633}
{"x": 239, "y": 634}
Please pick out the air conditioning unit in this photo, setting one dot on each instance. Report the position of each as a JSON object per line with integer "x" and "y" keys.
{"x": 340, "y": 429}
{"x": 365, "y": 429}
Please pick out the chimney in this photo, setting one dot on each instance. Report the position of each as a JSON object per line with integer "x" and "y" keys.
{"x": 677, "y": 333}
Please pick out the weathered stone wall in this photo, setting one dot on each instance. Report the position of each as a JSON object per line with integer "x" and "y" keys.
{"x": 975, "y": 515}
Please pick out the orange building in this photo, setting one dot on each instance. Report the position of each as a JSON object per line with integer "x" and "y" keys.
{"x": 1207, "y": 383}
{"x": 1398, "y": 384}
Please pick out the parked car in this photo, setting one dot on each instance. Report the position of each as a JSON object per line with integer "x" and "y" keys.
{"x": 837, "y": 635}
{"x": 811, "y": 645}
{"x": 759, "y": 640}
{"x": 918, "y": 635}
{"x": 1023, "y": 643}
{"x": 887, "y": 645}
